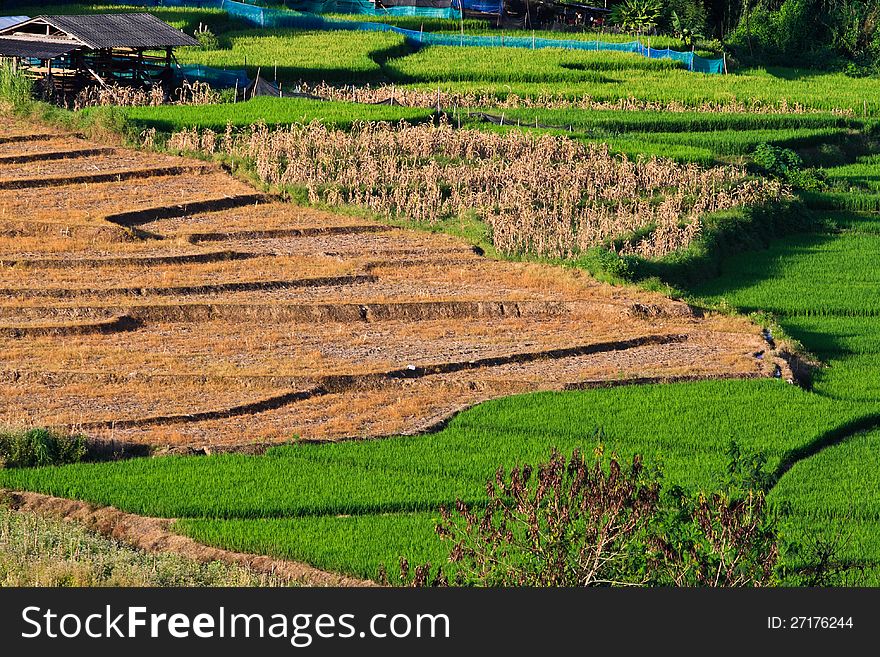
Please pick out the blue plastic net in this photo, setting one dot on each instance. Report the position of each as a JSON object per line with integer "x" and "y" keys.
{"x": 217, "y": 78}
{"x": 266, "y": 17}
{"x": 312, "y": 20}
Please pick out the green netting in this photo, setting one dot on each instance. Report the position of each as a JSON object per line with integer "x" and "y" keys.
{"x": 287, "y": 17}
{"x": 217, "y": 78}
{"x": 310, "y": 19}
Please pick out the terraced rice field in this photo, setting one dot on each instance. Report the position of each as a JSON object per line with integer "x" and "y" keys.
{"x": 154, "y": 300}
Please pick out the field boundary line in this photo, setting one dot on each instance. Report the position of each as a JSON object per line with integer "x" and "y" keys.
{"x": 118, "y": 176}
{"x": 268, "y": 233}
{"x": 832, "y": 438}
{"x": 39, "y": 136}
{"x": 118, "y": 324}
{"x": 137, "y": 217}
{"x": 184, "y": 290}
{"x": 188, "y": 258}
{"x": 344, "y": 312}
{"x": 26, "y": 158}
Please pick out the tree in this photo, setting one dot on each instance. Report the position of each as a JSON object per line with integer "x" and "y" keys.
{"x": 684, "y": 31}
{"x": 582, "y": 521}
{"x": 637, "y": 15}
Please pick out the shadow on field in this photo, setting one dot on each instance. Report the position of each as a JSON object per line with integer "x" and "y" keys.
{"x": 793, "y": 74}
{"x": 744, "y": 270}
{"x": 290, "y": 75}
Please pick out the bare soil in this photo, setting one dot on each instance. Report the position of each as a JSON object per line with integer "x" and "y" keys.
{"x": 121, "y": 316}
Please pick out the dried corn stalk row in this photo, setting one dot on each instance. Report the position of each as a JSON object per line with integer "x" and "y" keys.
{"x": 196, "y": 93}
{"x": 545, "y": 194}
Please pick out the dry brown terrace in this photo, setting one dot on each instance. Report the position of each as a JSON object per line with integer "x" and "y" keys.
{"x": 157, "y": 300}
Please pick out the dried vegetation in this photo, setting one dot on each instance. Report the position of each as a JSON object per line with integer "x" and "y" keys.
{"x": 546, "y": 195}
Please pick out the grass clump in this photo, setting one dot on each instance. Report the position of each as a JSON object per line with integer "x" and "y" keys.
{"x": 39, "y": 447}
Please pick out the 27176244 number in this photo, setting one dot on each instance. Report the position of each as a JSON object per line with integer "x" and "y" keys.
{"x": 810, "y": 623}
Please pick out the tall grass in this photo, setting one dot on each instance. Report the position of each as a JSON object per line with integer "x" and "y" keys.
{"x": 45, "y": 552}
{"x": 291, "y": 56}
{"x": 39, "y": 447}
{"x": 15, "y": 88}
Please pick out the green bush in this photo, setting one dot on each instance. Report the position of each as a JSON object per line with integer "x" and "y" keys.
{"x": 775, "y": 160}
{"x": 819, "y": 33}
{"x": 785, "y": 164}
{"x": 207, "y": 39}
{"x": 39, "y": 447}
{"x": 687, "y": 19}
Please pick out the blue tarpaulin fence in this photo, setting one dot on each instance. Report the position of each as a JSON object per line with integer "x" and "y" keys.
{"x": 267, "y": 17}
{"x": 483, "y": 6}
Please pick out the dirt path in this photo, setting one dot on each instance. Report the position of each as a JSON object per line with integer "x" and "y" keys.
{"x": 154, "y": 535}
{"x": 154, "y": 300}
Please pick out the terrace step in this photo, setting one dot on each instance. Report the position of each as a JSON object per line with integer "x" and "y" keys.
{"x": 98, "y": 232}
{"x": 37, "y": 136}
{"x": 185, "y": 290}
{"x": 117, "y": 176}
{"x": 146, "y": 215}
{"x": 342, "y": 383}
{"x": 307, "y": 231}
{"x": 134, "y": 261}
{"x": 113, "y": 325}
{"x": 445, "y": 262}
{"x": 350, "y": 312}
{"x": 594, "y": 384}
{"x": 251, "y": 408}
{"x": 49, "y": 156}
{"x": 306, "y": 313}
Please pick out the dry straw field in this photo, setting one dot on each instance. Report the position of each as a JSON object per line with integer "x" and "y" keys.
{"x": 548, "y": 195}
{"x": 153, "y": 300}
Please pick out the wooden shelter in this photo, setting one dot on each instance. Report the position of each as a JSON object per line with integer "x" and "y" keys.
{"x": 72, "y": 52}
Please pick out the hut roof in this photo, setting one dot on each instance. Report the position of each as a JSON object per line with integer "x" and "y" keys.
{"x": 101, "y": 31}
{"x": 6, "y": 21}
{"x": 34, "y": 49}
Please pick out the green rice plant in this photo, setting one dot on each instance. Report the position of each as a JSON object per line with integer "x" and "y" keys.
{"x": 417, "y": 23}
{"x": 682, "y": 426}
{"x": 715, "y": 146}
{"x": 838, "y": 486}
{"x": 861, "y": 178}
{"x": 359, "y": 56}
{"x": 684, "y": 122}
{"x": 788, "y": 89}
{"x": 448, "y": 64}
{"x": 841, "y": 272}
{"x": 353, "y": 544}
{"x": 272, "y": 111}
{"x": 293, "y": 55}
